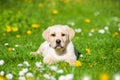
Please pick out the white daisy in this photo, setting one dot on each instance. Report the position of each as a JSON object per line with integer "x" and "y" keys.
{"x": 6, "y": 44}
{"x": 69, "y": 77}
{"x": 23, "y": 71}
{"x": 117, "y": 77}
{"x": 78, "y": 30}
{"x": 106, "y": 28}
{"x": 86, "y": 78}
{"x": 2, "y": 73}
{"x": 38, "y": 64}
{"x": 53, "y": 68}
{"x": 71, "y": 23}
{"x": 46, "y": 76}
{"x": 62, "y": 77}
{"x": 52, "y": 78}
{"x": 119, "y": 28}
{"x": 66, "y": 77}
{"x": 102, "y": 31}
{"x": 29, "y": 74}
{"x": 81, "y": 55}
{"x": 26, "y": 63}
{"x": 60, "y": 71}
{"x": 90, "y": 34}
{"x": 21, "y": 78}
{"x": 20, "y": 65}
{"x": 1, "y": 62}
{"x": 16, "y": 45}
{"x": 13, "y": 49}
{"x": 9, "y": 76}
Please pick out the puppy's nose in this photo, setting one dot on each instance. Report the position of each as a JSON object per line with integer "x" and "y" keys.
{"x": 58, "y": 41}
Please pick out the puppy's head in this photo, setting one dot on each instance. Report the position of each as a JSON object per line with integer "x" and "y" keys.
{"x": 58, "y": 36}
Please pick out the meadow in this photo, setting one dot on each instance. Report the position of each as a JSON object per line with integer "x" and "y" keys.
{"x": 97, "y": 38}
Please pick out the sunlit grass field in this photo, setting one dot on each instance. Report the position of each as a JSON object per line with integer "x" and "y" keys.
{"x": 97, "y": 27}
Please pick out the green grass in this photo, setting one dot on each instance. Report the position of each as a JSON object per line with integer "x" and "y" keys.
{"x": 105, "y": 48}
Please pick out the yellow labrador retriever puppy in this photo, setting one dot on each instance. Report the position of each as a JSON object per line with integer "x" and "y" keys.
{"x": 58, "y": 45}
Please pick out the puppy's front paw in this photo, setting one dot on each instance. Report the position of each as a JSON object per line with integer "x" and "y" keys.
{"x": 49, "y": 60}
{"x": 34, "y": 53}
{"x": 71, "y": 61}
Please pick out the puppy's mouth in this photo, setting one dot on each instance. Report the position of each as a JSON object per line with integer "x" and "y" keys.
{"x": 58, "y": 46}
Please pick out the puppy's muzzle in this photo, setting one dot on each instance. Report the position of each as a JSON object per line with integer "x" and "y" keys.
{"x": 58, "y": 44}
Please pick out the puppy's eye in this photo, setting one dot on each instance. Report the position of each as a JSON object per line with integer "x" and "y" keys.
{"x": 53, "y": 35}
{"x": 63, "y": 34}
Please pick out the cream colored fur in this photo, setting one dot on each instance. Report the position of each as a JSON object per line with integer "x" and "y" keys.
{"x": 52, "y": 52}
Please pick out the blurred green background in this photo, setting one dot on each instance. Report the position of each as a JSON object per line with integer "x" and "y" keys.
{"x": 23, "y": 21}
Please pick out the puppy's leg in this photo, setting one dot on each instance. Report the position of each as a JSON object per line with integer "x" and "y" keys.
{"x": 49, "y": 60}
{"x": 71, "y": 60}
{"x": 39, "y": 51}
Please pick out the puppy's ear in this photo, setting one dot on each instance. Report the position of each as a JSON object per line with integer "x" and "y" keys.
{"x": 46, "y": 33}
{"x": 71, "y": 32}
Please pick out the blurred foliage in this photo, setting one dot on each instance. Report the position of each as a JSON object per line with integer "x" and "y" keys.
{"x": 23, "y": 21}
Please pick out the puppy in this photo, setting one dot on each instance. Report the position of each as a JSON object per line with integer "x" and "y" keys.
{"x": 58, "y": 45}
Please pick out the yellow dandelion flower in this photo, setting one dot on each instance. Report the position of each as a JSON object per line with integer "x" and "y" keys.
{"x": 29, "y": 78}
{"x": 9, "y": 49}
{"x": 8, "y": 28}
{"x": 41, "y": 5}
{"x": 35, "y": 26}
{"x": 2, "y": 78}
{"x": 18, "y": 36}
{"x": 29, "y": 32}
{"x": 87, "y": 20}
{"x": 93, "y": 30}
{"x": 115, "y": 34}
{"x": 14, "y": 29}
{"x": 78, "y": 63}
{"x": 30, "y": 69}
{"x": 88, "y": 50}
{"x": 55, "y": 11}
{"x": 104, "y": 76}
